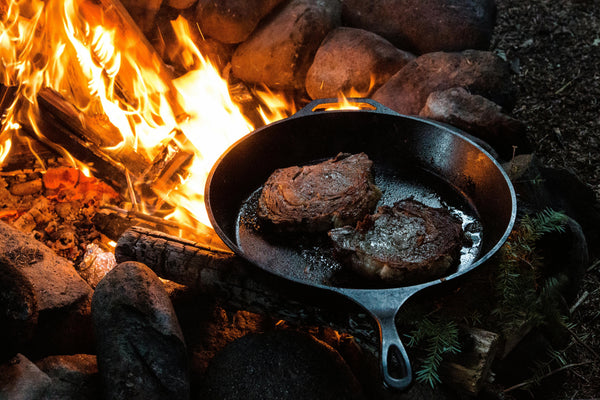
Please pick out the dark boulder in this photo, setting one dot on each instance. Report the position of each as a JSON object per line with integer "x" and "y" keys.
{"x": 22, "y": 379}
{"x": 480, "y": 117}
{"x": 232, "y": 21}
{"x": 279, "y": 53}
{"x": 425, "y": 26}
{"x": 480, "y": 72}
{"x": 18, "y": 311}
{"x": 356, "y": 59}
{"x": 279, "y": 365}
{"x": 74, "y": 377}
{"x": 141, "y": 350}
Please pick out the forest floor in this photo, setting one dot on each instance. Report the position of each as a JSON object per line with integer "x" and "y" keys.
{"x": 554, "y": 48}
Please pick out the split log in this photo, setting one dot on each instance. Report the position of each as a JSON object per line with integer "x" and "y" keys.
{"x": 85, "y": 135}
{"x": 468, "y": 371}
{"x": 64, "y": 126}
{"x": 239, "y": 285}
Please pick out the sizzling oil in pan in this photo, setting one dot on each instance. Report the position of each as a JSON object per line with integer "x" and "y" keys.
{"x": 310, "y": 258}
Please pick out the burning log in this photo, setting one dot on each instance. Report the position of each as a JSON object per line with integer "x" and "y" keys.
{"x": 240, "y": 285}
{"x": 79, "y": 133}
{"x": 85, "y": 135}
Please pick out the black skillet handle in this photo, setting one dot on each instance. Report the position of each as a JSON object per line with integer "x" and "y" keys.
{"x": 363, "y": 104}
{"x": 395, "y": 365}
{"x": 383, "y": 305}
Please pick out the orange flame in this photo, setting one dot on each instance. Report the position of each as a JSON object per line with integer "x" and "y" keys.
{"x": 78, "y": 49}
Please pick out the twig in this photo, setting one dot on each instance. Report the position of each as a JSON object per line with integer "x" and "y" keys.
{"x": 594, "y": 265}
{"x": 555, "y": 371}
{"x": 579, "y": 301}
{"x": 581, "y": 342}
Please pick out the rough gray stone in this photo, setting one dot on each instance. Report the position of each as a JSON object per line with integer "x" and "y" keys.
{"x": 20, "y": 379}
{"x": 279, "y": 53}
{"x": 43, "y": 280}
{"x": 18, "y": 310}
{"x": 54, "y": 279}
{"x": 356, "y": 59}
{"x": 74, "y": 377}
{"x": 424, "y": 26}
{"x": 480, "y": 117}
{"x": 279, "y": 365}
{"x": 141, "y": 351}
{"x": 479, "y": 72}
{"x": 541, "y": 187}
{"x": 232, "y": 21}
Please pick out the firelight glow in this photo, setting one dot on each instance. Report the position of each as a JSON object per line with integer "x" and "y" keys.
{"x": 79, "y": 50}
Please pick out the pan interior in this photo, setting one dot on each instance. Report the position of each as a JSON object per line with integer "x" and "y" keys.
{"x": 310, "y": 258}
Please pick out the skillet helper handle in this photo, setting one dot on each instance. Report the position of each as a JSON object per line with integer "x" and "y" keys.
{"x": 395, "y": 365}
{"x": 323, "y": 105}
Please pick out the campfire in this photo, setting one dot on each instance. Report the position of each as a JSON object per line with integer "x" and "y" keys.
{"x": 114, "y": 114}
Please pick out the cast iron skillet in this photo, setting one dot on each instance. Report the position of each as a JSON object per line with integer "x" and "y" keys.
{"x": 431, "y": 162}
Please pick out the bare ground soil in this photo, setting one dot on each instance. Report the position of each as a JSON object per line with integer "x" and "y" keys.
{"x": 554, "y": 48}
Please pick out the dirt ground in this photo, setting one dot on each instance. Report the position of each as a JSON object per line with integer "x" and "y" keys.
{"x": 554, "y": 47}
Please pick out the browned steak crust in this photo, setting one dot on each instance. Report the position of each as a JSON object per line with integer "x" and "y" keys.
{"x": 318, "y": 197}
{"x": 405, "y": 243}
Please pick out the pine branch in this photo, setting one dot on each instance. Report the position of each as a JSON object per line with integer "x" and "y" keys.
{"x": 522, "y": 295}
{"x": 441, "y": 338}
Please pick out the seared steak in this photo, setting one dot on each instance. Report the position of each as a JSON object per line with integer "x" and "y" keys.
{"x": 405, "y": 243}
{"x": 318, "y": 197}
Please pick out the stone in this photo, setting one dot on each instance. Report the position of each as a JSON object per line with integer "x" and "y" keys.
{"x": 566, "y": 258}
{"x": 64, "y": 331}
{"x": 279, "y": 365}
{"x": 479, "y": 117}
{"x": 181, "y": 4}
{"x": 54, "y": 279}
{"x": 45, "y": 300}
{"x": 351, "y": 58}
{"x": 143, "y": 12}
{"x": 279, "y": 53}
{"x": 73, "y": 377}
{"x": 140, "y": 347}
{"x": 424, "y": 26}
{"x": 18, "y": 311}
{"x": 480, "y": 72}
{"x": 540, "y": 187}
{"x": 20, "y": 379}
{"x": 232, "y": 21}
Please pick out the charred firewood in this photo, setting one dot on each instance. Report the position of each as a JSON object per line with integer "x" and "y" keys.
{"x": 240, "y": 284}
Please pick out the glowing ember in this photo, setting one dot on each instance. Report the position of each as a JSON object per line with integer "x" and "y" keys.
{"x": 81, "y": 50}
{"x": 77, "y": 49}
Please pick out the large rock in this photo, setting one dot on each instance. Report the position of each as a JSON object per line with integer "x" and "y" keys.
{"x": 20, "y": 379}
{"x": 43, "y": 300}
{"x": 480, "y": 117}
{"x": 54, "y": 279}
{"x": 73, "y": 377}
{"x": 18, "y": 311}
{"x": 143, "y": 12}
{"x": 279, "y": 53}
{"x": 232, "y": 21}
{"x": 279, "y": 365}
{"x": 356, "y": 59}
{"x": 141, "y": 351}
{"x": 479, "y": 72}
{"x": 424, "y": 26}
{"x": 541, "y": 187}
